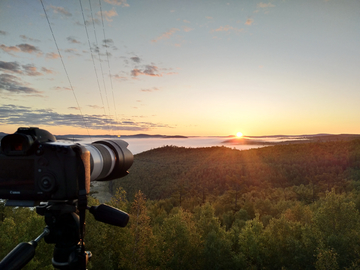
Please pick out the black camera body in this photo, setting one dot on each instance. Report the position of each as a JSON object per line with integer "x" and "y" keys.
{"x": 34, "y": 167}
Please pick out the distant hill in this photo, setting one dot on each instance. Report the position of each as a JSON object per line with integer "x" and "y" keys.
{"x": 138, "y": 136}
{"x": 288, "y": 139}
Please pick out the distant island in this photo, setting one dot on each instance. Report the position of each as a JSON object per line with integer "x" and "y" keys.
{"x": 72, "y": 137}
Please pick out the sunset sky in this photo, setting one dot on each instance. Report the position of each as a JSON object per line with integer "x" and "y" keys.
{"x": 171, "y": 67}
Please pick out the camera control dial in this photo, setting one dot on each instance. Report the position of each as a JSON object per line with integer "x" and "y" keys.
{"x": 47, "y": 183}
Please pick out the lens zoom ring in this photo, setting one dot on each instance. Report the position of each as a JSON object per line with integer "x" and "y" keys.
{"x": 107, "y": 162}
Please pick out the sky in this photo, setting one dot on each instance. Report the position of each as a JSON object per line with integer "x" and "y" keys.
{"x": 194, "y": 68}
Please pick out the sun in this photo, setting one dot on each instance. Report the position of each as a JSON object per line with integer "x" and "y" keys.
{"x": 239, "y": 134}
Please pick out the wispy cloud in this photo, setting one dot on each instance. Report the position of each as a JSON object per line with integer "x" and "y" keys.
{"x": 72, "y": 51}
{"x": 264, "y": 5}
{"x": 187, "y": 29}
{"x": 26, "y": 48}
{"x": 166, "y": 35}
{"x": 13, "y": 84}
{"x": 4, "y": 33}
{"x": 52, "y": 55}
{"x": 150, "y": 89}
{"x": 107, "y": 43}
{"x": 22, "y": 115}
{"x": 47, "y": 71}
{"x": 95, "y": 107}
{"x": 149, "y": 70}
{"x": 73, "y": 40}
{"x": 108, "y": 14}
{"x": 29, "y": 69}
{"x": 136, "y": 59}
{"x": 60, "y": 10}
{"x": 249, "y": 21}
{"x": 117, "y": 2}
{"x": 29, "y": 38}
{"x": 61, "y": 88}
{"x": 227, "y": 28}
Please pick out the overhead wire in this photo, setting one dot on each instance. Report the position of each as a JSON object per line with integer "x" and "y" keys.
{"x": 99, "y": 55}
{"x": 63, "y": 64}
{"x": 108, "y": 61}
{"x": 92, "y": 57}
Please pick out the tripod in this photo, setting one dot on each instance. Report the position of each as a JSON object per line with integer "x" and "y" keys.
{"x": 65, "y": 228}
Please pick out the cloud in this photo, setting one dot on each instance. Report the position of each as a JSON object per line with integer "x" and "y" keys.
{"x": 187, "y": 29}
{"x": 62, "y": 88}
{"x": 26, "y": 48}
{"x": 150, "y": 89}
{"x": 117, "y": 2}
{"x": 29, "y": 69}
{"x": 52, "y": 55}
{"x": 47, "y": 71}
{"x": 4, "y": 33}
{"x": 74, "y": 108}
{"x": 10, "y": 66}
{"x": 21, "y": 115}
{"x": 264, "y": 5}
{"x": 71, "y": 51}
{"x": 119, "y": 77}
{"x": 28, "y": 38}
{"x": 73, "y": 40}
{"x": 249, "y": 21}
{"x": 149, "y": 70}
{"x": 108, "y": 14}
{"x": 95, "y": 107}
{"x": 9, "y": 49}
{"x": 135, "y": 59}
{"x": 107, "y": 42}
{"x": 166, "y": 35}
{"x": 13, "y": 84}
{"x": 60, "y": 10}
{"x": 227, "y": 28}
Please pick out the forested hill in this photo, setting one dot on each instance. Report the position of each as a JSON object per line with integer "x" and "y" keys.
{"x": 187, "y": 172}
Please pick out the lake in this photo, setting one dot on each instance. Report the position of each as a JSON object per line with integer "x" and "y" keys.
{"x": 138, "y": 145}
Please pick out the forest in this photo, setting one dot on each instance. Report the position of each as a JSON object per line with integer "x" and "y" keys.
{"x": 290, "y": 206}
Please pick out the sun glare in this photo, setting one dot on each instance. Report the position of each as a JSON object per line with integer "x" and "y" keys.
{"x": 239, "y": 134}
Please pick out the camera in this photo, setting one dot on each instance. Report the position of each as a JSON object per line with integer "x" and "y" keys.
{"x": 35, "y": 167}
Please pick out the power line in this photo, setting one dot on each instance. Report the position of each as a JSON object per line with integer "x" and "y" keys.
{"x": 99, "y": 55}
{"x": 92, "y": 57}
{"x": 63, "y": 64}
{"x": 108, "y": 61}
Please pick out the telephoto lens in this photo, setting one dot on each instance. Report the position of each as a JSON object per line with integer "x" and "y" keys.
{"x": 109, "y": 159}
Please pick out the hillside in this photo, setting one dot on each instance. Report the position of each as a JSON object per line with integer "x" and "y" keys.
{"x": 290, "y": 206}
{"x": 163, "y": 172}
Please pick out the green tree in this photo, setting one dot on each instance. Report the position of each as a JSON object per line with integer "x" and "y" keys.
{"x": 141, "y": 247}
{"x": 251, "y": 244}
{"x": 179, "y": 242}
{"x": 337, "y": 228}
